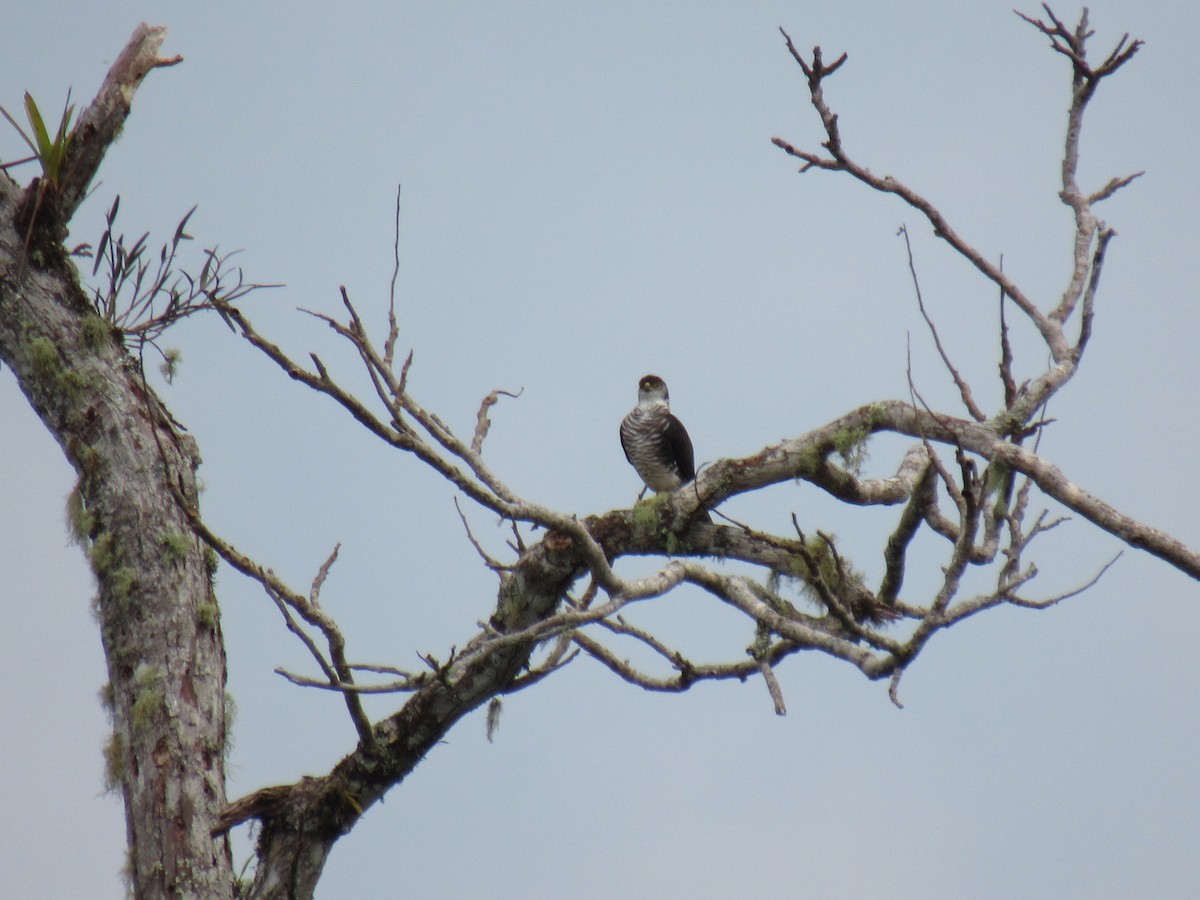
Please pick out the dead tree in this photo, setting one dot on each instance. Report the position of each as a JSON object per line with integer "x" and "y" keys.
{"x": 158, "y": 616}
{"x": 971, "y": 478}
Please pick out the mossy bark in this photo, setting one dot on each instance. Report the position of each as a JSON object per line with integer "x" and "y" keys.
{"x": 155, "y": 603}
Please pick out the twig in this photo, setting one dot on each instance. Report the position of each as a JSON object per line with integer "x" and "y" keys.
{"x": 894, "y": 688}
{"x": 97, "y": 128}
{"x": 1006, "y": 354}
{"x": 400, "y": 686}
{"x": 776, "y": 692}
{"x": 896, "y": 551}
{"x": 482, "y": 423}
{"x": 389, "y": 344}
{"x": 314, "y": 596}
{"x": 1066, "y": 595}
{"x": 337, "y": 671}
{"x": 964, "y": 389}
{"x": 494, "y": 564}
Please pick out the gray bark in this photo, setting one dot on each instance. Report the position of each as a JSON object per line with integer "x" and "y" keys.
{"x": 158, "y": 616}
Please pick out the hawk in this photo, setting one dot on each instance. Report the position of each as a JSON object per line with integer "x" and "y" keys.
{"x": 655, "y": 442}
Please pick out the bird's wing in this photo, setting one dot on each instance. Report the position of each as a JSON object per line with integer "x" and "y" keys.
{"x": 681, "y": 448}
{"x": 625, "y": 439}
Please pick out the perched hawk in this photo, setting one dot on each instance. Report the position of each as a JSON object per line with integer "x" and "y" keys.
{"x": 655, "y": 442}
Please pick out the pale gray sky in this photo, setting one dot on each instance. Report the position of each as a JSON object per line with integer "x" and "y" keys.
{"x": 590, "y": 193}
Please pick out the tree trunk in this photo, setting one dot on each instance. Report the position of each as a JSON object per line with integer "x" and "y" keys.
{"x": 158, "y": 616}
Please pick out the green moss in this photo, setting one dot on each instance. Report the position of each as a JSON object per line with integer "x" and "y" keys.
{"x": 851, "y": 445}
{"x": 89, "y": 460}
{"x": 49, "y": 371}
{"x": 43, "y": 360}
{"x": 72, "y": 383}
{"x": 676, "y": 544}
{"x": 818, "y": 564}
{"x": 211, "y": 560}
{"x": 772, "y": 594}
{"x": 230, "y": 718}
{"x": 1007, "y": 422}
{"x": 103, "y": 554}
{"x": 797, "y": 567}
{"x": 208, "y": 615}
{"x": 106, "y": 696}
{"x": 79, "y": 520}
{"x": 997, "y": 479}
{"x": 95, "y": 331}
{"x": 148, "y": 703}
{"x": 118, "y": 580}
{"x": 122, "y": 582}
{"x": 123, "y": 653}
{"x": 809, "y": 459}
{"x": 114, "y": 763}
{"x": 145, "y": 710}
{"x": 647, "y": 517}
{"x": 176, "y": 546}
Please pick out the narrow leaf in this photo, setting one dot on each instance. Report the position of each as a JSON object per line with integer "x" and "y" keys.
{"x": 38, "y": 126}
{"x": 21, "y": 131}
{"x": 179, "y": 232}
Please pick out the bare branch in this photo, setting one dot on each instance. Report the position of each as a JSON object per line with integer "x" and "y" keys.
{"x": 964, "y": 389}
{"x": 336, "y": 670}
{"x": 622, "y": 627}
{"x": 1089, "y": 295}
{"x": 104, "y": 118}
{"x": 1006, "y": 356}
{"x": 915, "y": 512}
{"x": 314, "y": 595}
{"x": 840, "y": 161}
{"x": 1074, "y": 592}
{"x": 399, "y": 686}
{"x": 773, "y": 687}
{"x": 553, "y": 664}
{"x": 494, "y": 564}
{"x": 689, "y": 673}
{"x": 482, "y": 423}
{"x": 1066, "y": 357}
{"x": 1112, "y": 187}
{"x": 894, "y": 688}
{"x": 389, "y": 344}
{"x": 759, "y": 651}
{"x": 793, "y": 458}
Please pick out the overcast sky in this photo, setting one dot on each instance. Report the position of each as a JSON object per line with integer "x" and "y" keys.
{"x": 590, "y": 194}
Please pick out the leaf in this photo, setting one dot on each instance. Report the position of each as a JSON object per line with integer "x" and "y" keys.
{"x": 62, "y": 140}
{"x": 180, "y": 235}
{"x": 51, "y": 153}
{"x": 21, "y": 131}
{"x": 101, "y": 247}
{"x": 64, "y": 124}
{"x": 205, "y": 271}
{"x": 39, "y": 128}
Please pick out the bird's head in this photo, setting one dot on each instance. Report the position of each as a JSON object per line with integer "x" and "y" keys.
{"x": 652, "y": 389}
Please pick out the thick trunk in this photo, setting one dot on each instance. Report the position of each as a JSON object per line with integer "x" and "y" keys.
{"x": 158, "y": 616}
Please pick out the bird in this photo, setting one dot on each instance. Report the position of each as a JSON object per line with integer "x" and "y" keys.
{"x": 655, "y": 442}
